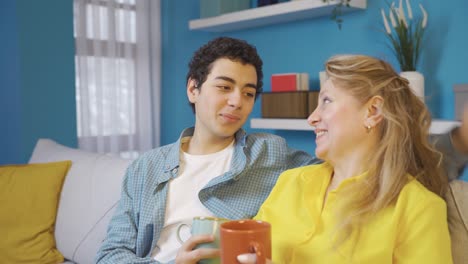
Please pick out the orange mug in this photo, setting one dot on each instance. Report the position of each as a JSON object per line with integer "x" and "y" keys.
{"x": 245, "y": 236}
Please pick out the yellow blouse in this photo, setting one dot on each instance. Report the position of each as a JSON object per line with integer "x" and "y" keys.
{"x": 414, "y": 230}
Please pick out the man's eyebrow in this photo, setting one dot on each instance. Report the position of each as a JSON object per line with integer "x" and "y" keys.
{"x": 251, "y": 85}
{"x": 225, "y": 78}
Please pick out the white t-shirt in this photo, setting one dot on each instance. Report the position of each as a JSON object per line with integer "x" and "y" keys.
{"x": 195, "y": 171}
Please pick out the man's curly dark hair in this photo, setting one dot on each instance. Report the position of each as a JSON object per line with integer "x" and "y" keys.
{"x": 224, "y": 47}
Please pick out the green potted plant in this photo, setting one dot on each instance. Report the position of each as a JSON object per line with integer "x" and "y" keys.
{"x": 405, "y": 34}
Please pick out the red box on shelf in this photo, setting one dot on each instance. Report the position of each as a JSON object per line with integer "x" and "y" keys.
{"x": 289, "y": 82}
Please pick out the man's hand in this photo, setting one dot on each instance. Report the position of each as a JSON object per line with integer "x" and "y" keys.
{"x": 460, "y": 134}
{"x": 188, "y": 255}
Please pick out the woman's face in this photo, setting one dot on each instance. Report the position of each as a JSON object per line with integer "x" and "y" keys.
{"x": 339, "y": 122}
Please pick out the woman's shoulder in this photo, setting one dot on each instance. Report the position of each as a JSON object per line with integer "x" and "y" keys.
{"x": 306, "y": 173}
{"x": 291, "y": 189}
{"x": 414, "y": 193}
{"x": 313, "y": 168}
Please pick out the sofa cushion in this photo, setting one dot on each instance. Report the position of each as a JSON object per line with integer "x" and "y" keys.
{"x": 90, "y": 192}
{"x": 457, "y": 209}
{"x": 29, "y": 196}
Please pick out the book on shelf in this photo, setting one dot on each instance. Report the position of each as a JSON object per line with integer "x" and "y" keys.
{"x": 289, "y": 82}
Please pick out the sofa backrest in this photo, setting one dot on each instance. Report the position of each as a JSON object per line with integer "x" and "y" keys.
{"x": 92, "y": 189}
{"x": 89, "y": 195}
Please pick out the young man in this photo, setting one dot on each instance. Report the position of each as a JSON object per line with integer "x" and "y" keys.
{"x": 214, "y": 169}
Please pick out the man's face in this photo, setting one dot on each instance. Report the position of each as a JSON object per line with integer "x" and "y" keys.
{"x": 225, "y": 100}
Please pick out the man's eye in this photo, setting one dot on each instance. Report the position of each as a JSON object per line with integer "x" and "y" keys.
{"x": 250, "y": 94}
{"x": 225, "y": 88}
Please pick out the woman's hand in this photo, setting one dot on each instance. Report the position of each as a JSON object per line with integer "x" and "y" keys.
{"x": 250, "y": 259}
{"x": 188, "y": 255}
{"x": 460, "y": 134}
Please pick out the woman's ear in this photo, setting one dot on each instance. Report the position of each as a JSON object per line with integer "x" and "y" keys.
{"x": 192, "y": 90}
{"x": 374, "y": 111}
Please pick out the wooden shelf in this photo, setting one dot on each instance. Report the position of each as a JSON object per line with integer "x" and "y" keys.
{"x": 272, "y": 14}
{"x": 280, "y": 123}
{"x": 438, "y": 126}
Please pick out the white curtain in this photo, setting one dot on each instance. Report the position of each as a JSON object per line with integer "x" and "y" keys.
{"x": 118, "y": 60}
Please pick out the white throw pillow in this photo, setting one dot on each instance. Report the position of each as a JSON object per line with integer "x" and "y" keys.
{"x": 89, "y": 194}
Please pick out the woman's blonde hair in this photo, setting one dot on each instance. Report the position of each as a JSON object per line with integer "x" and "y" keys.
{"x": 403, "y": 146}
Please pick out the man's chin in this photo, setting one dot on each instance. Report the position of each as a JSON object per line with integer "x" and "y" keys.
{"x": 228, "y": 132}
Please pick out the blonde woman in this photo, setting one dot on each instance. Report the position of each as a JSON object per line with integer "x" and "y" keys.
{"x": 376, "y": 197}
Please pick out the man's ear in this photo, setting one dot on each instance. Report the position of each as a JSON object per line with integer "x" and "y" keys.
{"x": 192, "y": 90}
{"x": 374, "y": 111}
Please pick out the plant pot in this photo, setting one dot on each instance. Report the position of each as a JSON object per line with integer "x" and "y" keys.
{"x": 416, "y": 82}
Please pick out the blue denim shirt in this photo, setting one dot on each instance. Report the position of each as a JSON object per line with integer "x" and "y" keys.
{"x": 257, "y": 162}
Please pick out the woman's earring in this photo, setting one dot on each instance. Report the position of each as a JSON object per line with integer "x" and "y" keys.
{"x": 369, "y": 129}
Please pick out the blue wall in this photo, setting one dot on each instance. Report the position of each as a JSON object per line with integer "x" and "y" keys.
{"x": 10, "y": 103}
{"x": 37, "y": 83}
{"x": 303, "y": 46}
{"x": 37, "y": 87}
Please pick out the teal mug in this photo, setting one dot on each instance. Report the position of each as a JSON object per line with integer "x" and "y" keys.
{"x": 202, "y": 225}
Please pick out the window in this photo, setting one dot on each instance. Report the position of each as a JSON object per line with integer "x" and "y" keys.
{"x": 114, "y": 90}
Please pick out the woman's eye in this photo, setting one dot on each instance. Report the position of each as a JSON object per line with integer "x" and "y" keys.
{"x": 326, "y": 100}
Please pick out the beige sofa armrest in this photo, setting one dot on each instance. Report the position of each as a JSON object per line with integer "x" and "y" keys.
{"x": 457, "y": 210}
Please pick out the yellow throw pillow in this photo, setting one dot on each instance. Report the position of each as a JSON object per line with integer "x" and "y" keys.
{"x": 29, "y": 196}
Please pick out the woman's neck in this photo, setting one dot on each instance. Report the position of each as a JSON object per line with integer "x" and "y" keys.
{"x": 353, "y": 164}
{"x": 343, "y": 171}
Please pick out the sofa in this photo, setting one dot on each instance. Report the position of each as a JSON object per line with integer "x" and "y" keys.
{"x": 88, "y": 198}
{"x": 91, "y": 190}
{"x": 457, "y": 213}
